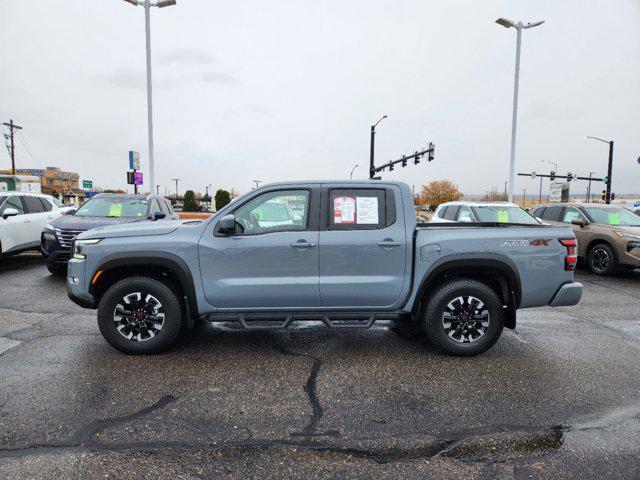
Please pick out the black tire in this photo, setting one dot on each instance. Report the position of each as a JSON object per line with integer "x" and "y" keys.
{"x": 57, "y": 269}
{"x": 142, "y": 339}
{"x": 602, "y": 260}
{"x": 476, "y": 331}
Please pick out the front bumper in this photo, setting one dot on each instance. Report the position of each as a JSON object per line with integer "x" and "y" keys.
{"x": 53, "y": 252}
{"x": 568, "y": 294}
{"x": 77, "y": 284}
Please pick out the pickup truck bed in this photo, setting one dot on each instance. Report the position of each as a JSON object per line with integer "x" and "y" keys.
{"x": 345, "y": 253}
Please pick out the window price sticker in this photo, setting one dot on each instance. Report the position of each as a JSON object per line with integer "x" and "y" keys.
{"x": 367, "y": 210}
{"x": 344, "y": 210}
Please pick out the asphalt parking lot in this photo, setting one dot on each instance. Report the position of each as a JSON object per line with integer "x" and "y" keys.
{"x": 558, "y": 398}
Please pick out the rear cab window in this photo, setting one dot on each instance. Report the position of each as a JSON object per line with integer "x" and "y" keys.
{"x": 360, "y": 209}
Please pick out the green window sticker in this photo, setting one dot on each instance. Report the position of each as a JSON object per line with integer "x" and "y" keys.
{"x": 115, "y": 210}
{"x": 503, "y": 216}
{"x": 613, "y": 219}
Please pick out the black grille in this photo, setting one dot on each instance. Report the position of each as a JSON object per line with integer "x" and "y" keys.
{"x": 66, "y": 237}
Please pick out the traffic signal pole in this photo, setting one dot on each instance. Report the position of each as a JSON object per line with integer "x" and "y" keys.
{"x": 609, "y": 173}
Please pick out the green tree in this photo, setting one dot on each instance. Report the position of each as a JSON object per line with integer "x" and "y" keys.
{"x": 189, "y": 204}
{"x": 222, "y": 198}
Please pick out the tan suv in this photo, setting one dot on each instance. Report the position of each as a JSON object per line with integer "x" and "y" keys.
{"x": 608, "y": 235}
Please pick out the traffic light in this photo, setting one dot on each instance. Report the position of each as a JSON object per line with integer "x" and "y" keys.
{"x": 130, "y": 178}
{"x": 432, "y": 151}
{"x": 404, "y": 161}
{"x": 391, "y": 167}
{"x": 552, "y": 176}
{"x": 569, "y": 176}
{"x": 613, "y": 196}
{"x": 603, "y": 195}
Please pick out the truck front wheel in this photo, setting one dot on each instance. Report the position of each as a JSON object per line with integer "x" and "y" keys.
{"x": 463, "y": 317}
{"x": 140, "y": 315}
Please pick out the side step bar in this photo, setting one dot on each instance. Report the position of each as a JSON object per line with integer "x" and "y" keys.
{"x": 284, "y": 320}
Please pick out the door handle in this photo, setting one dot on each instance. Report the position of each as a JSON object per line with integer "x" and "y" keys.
{"x": 302, "y": 244}
{"x": 27, "y": 220}
{"x": 388, "y": 242}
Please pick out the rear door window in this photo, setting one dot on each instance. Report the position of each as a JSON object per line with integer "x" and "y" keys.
{"x": 33, "y": 204}
{"x": 571, "y": 213}
{"x": 452, "y": 212}
{"x": 46, "y": 204}
{"x": 442, "y": 212}
{"x": 552, "y": 214}
{"x": 360, "y": 209}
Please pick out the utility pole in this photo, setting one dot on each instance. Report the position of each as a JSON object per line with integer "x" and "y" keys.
{"x": 176, "y": 180}
{"x": 257, "y": 182}
{"x": 12, "y": 126}
{"x": 157, "y": 189}
{"x": 524, "y": 194}
{"x": 589, "y": 187}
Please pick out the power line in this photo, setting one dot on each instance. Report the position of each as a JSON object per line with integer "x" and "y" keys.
{"x": 27, "y": 146}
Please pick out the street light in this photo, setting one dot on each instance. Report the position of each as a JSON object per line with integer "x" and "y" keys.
{"x": 609, "y": 168}
{"x": 518, "y": 26}
{"x": 372, "y": 147}
{"x": 147, "y": 22}
{"x": 352, "y": 170}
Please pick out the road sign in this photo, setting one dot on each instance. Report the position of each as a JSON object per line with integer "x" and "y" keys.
{"x": 137, "y": 178}
{"x": 555, "y": 192}
{"x": 134, "y": 160}
{"x": 87, "y": 184}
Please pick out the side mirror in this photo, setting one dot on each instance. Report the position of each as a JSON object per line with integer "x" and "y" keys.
{"x": 227, "y": 224}
{"x": 10, "y": 212}
{"x": 70, "y": 212}
{"x": 159, "y": 215}
{"x": 578, "y": 221}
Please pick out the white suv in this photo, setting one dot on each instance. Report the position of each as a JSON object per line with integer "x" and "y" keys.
{"x": 501, "y": 212}
{"x": 23, "y": 216}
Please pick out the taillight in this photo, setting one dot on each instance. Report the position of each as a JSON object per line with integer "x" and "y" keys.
{"x": 571, "y": 260}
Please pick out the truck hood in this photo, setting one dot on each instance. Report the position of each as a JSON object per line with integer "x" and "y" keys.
{"x": 71, "y": 222}
{"x": 161, "y": 227}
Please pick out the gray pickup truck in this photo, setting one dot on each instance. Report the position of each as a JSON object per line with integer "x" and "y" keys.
{"x": 346, "y": 253}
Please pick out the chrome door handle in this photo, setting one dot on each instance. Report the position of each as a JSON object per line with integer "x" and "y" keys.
{"x": 302, "y": 244}
{"x": 387, "y": 242}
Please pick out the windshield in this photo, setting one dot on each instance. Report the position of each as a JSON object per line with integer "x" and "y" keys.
{"x": 506, "y": 214}
{"x": 113, "y": 207}
{"x": 613, "y": 216}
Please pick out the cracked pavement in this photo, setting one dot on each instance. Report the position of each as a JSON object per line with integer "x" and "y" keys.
{"x": 558, "y": 398}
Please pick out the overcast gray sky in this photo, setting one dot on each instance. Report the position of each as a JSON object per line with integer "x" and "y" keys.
{"x": 288, "y": 89}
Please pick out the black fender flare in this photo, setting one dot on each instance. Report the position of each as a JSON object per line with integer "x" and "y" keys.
{"x": 459, "y": 262}
{"x": 164, "y": 260}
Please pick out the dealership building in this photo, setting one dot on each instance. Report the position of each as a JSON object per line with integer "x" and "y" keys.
{"x": 56, "y": 182}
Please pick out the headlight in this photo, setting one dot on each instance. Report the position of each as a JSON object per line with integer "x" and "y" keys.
{"x": 48, "y": 233}
{"x": 623, "y": 234}
{"x": 79, "y": 246}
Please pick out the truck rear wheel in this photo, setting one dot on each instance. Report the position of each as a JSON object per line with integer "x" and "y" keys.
{"x": 463, "y": 317}
{"x": 140, "y": 315}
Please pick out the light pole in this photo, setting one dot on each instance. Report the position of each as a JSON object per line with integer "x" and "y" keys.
{"x": 147, "y": 4}
{"x": 609, "y": 168}
{"x": 372, "y": 146}
{"x": 176, "y": 180}
{"x": 519, "y": 27}
{"x": 352, "y": 170}
{"x": 257, "y": 182}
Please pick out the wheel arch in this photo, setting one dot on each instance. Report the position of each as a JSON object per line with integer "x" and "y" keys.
{"x": 162, "y": 266}
{"x": 498, "y": 273}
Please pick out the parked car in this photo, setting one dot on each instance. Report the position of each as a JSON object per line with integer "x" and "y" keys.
{"x": 22, "y": 217}
{"x": 355, "y": 256}
{"x": 608, "y": 235}
{"x": 500, "y": 212}
{"x": 102, "y": 210}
